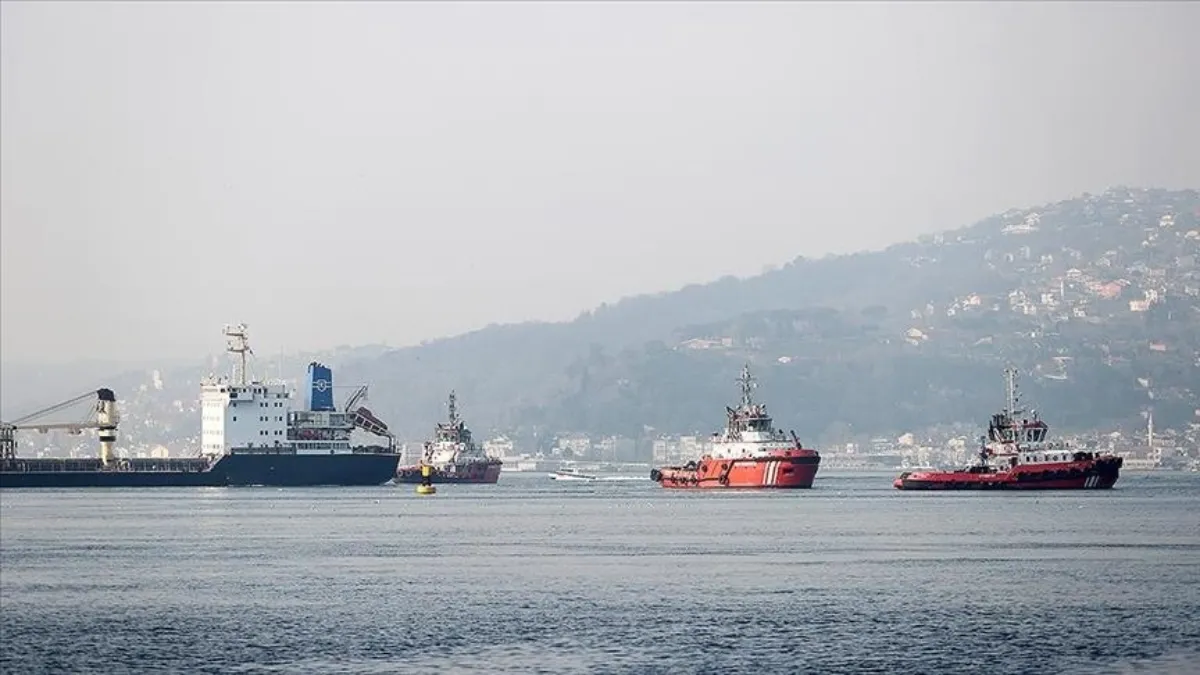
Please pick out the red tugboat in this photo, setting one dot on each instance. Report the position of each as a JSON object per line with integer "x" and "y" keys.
{"x": 1016, "y": 455}
{"x": 453, "y": 456}
{"x": 749, "y": 453}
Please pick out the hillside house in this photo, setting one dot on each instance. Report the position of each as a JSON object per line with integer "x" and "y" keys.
{"x": 707, "y": 343}
{"x": 1029, "y": 224}
{"x": 1109, "y": 291}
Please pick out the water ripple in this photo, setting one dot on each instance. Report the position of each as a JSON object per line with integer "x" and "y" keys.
{"x": 530, "y": 576}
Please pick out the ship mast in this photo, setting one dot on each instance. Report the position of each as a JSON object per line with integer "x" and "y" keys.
{"x": 748, "y": 385}
{"x": 1012, "y": 398}
{"x": 238, "y": 342}
{"x": 453, "y": 409}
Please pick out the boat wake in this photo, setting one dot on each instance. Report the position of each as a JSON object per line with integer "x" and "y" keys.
{"x": 577, "y": 477}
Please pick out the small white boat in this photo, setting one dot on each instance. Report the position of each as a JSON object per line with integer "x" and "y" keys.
{"x": 571, "y": 474}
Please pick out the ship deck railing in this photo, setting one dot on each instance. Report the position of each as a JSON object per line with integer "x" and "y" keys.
{"x": 291, "y": 450}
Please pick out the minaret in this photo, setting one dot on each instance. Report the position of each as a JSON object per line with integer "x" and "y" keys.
{"x": 1150, "y": 431}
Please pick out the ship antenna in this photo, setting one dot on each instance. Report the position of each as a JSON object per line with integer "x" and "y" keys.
{"x": 747, "y": 382}
{"x": 453, "y": 409}
{"x": 238, "y": 342}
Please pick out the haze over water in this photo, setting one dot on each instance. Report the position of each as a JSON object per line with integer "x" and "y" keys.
{"x": 532, "y": 575}
{"x": 425, "y": 169}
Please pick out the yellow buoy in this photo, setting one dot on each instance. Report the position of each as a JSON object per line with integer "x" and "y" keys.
{"x": 426, "y": 487}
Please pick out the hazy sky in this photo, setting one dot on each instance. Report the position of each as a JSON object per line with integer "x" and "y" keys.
{"x": 349, "y": 173}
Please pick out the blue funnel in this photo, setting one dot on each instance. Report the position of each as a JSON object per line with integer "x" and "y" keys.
{"x": 320, "y": 388}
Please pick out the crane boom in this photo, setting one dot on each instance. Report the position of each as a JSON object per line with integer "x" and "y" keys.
{"x": 103, "y": 417}
{"x": 21, "y": 421}
{"x": 359, "y": 394}
{"x": 65, "y": 426}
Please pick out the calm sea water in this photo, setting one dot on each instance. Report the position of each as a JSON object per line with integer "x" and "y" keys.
{"x": 537, "y": 576}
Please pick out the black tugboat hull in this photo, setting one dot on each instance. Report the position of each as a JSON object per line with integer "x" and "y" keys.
{"x": 478, "y": 474}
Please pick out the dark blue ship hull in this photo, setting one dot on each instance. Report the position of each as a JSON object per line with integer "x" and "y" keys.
{"x": 232, "y": 470}
{"x": 277, "y": 470}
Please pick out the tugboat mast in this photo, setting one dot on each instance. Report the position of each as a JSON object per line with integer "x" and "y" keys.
{"x": 748, "y": 384}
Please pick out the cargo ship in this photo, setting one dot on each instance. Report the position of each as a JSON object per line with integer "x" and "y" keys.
{"x": 250, "y": 435}
{"x": 453, "y": 455}
{"x": 749, "y": 453}
{"x": 1017, "y": 454}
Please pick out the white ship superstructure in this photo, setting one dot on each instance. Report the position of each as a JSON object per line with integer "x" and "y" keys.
{"x": 244, "y": 415}
{"x": 452, "y": 441}
{"x": 1017, "y": 437}
{"x": 239, "y": 412}
{"x": 749, "y": 430}
{"x": 453, "y": 455}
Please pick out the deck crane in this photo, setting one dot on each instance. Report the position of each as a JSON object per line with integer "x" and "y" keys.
{"x": 364, "y": 419}
{"x": 103, "y": 417}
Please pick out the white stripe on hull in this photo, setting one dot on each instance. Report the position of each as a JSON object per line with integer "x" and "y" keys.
{"x": 772, "y": 473}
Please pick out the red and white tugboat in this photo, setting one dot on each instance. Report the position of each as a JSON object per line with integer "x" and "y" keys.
{"x": 1016, "y": 455}
{"x": 749, "y": 453}
{"x": 453, "y": 456}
